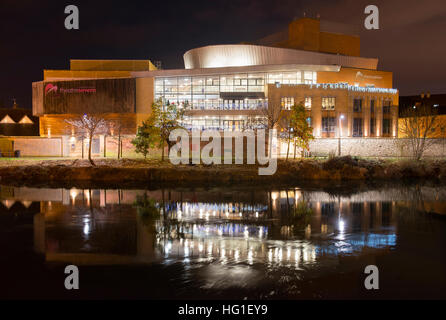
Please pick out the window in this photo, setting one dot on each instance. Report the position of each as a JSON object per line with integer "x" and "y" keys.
{"x": 357, "y": 127}
{"x": 386, "y": 126}
{"x": 372, "y": 106}
{"x": 286, "y": 103}
{"x": 310, "y": 77}
{"x": 95, "y": 146}
{"x": 372, "y": 126}
{"x": 309, "y": 121}
{"x": 357, "y": 105}
{"x": 386, "y": 107}
{"x": 328, "y": 124}
{"x": 328, "y": 103}
{"x": 308, "y": 103}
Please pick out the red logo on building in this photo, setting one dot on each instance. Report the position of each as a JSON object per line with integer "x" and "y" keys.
{"x": 50, "y": 88}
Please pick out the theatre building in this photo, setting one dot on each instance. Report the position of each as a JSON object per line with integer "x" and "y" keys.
{"x": 228, "y": 87}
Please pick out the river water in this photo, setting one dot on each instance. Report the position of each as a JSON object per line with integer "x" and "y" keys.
{"x": 290, "y": 242}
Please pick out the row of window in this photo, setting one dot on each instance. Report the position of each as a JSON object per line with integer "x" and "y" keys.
{"x": 221, "y": 104}
{"x": 287, "y": 102}
{"x": 329, "y": 126}
{"x": 329, "y": 103}
{"x": 357, "y": 106}
{"x": 241, "y": 79}
{"x": 226, "y": 123}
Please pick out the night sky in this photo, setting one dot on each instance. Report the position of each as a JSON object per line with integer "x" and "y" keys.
{"x": 411, "y": 41}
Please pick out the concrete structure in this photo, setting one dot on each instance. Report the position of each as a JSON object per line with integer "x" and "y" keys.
{"x": 230, "y": 86}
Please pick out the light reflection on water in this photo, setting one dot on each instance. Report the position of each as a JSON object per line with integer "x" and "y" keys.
{"x": 235, "y": 237}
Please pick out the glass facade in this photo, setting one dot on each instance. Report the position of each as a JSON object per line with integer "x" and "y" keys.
{"x": 230, "y": 123}
{"x": 241, "y": 91}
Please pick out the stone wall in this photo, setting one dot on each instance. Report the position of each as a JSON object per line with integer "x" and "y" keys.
{"x": 373, "y": 147}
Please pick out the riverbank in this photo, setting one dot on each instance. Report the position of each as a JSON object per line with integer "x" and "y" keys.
{"x": 128, "y": 172}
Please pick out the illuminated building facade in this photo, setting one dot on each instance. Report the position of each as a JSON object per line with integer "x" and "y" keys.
{"x": 229, "y": 86}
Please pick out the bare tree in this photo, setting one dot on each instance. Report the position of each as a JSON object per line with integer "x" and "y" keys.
{"x": 117, "y": 127}
{"x": 419, "y": 125}
{"x": 90, "y": 125}
{"x": 273, "y": 113}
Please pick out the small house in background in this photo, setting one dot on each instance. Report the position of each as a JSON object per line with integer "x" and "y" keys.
{"x": 16, "y": 121}
{"x": 17, "y": 124}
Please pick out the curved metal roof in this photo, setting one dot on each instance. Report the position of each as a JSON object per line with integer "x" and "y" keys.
{"x": 238, "y": 55}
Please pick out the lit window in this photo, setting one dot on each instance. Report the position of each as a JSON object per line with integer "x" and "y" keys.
{"x": 308, "y": 103}
{"x": 7, "y": 119}
{"x": 328, "y": 103}
{"x": 310, "y": 77}
{"x": 286, "y": 103}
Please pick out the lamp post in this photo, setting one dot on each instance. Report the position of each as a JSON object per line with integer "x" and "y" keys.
{"x": 340, "y": 133}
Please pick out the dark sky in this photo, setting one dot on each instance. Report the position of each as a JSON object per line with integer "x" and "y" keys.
{"x": 411, "y": 41}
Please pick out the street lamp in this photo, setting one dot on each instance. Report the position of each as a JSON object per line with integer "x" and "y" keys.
{"x": 341, "y": 117}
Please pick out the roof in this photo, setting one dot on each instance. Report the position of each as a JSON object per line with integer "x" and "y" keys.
{"x": 239, "y": 55}
{"x": 17, "y": 114}
{"x": 111, "y": 65}
{"x": 21, "y": 127}
{"x": 230, "y": 70}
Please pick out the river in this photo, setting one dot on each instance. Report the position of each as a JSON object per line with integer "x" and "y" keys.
{"x": 290, "y": 242}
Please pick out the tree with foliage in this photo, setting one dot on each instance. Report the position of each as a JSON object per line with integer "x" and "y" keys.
{"x": 145, "y": 138}
{"x": 298, "y": 129}
{"x": 419, "y": 125}
{"x": 90, "y": 125}
{"x": 165, "y": 118}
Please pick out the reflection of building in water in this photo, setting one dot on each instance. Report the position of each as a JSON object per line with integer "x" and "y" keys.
{"x": 286, "y": 227}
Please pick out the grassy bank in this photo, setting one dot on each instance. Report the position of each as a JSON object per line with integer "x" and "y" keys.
{"x": 139, "y": 172}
